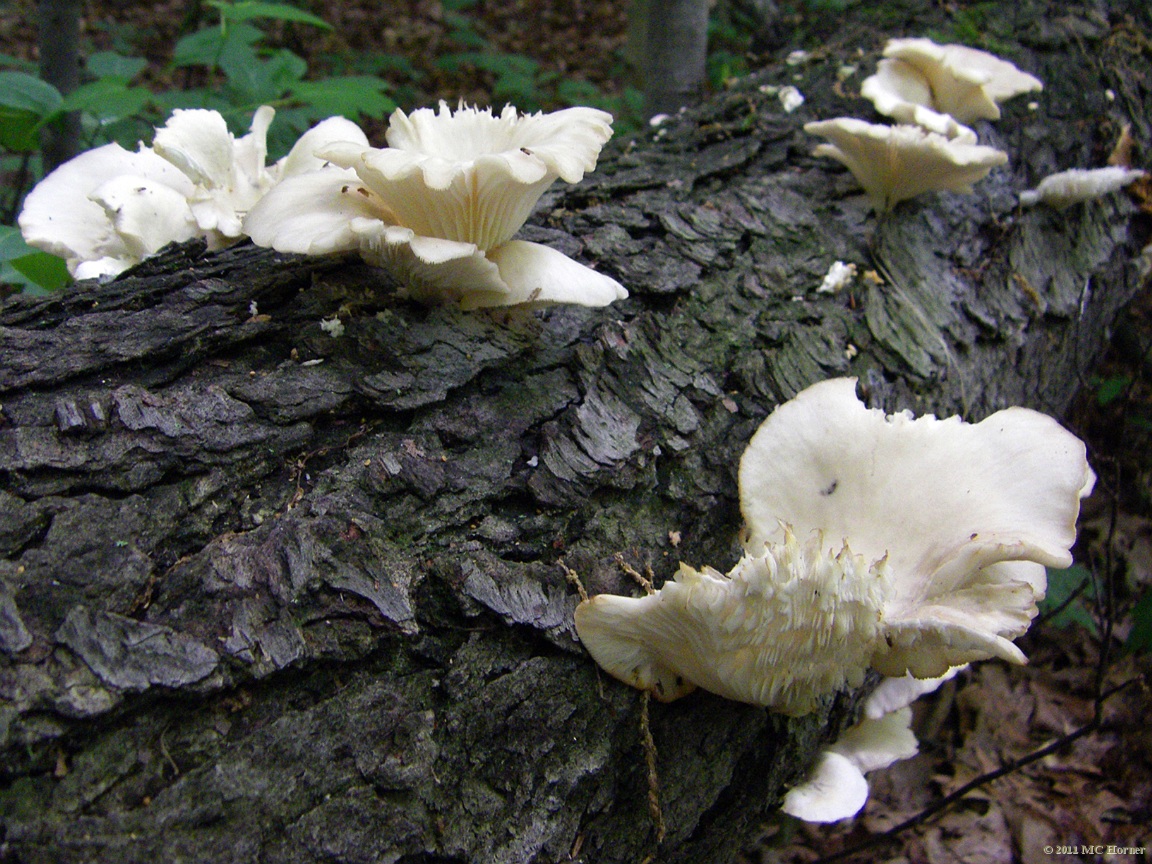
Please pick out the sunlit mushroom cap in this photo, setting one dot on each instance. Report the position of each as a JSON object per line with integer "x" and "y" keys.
{"x": 966, "y": 515}
{"x": 782, "y": 630}
{"x": 966, "y": 83}
{"x": 60, "y": 215}
{"x": 893, "y": 163}
{"x": 1070, "y": 187}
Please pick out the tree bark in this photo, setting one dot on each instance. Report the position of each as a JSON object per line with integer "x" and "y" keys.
{"x": 273, "y": 596}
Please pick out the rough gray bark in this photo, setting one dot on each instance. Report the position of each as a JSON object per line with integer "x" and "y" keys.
{"x": 271, "y": 596}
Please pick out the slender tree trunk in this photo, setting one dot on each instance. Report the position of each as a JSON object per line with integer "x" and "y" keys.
{"x": 59, "y": 42}
{"x": 669, "y": 43}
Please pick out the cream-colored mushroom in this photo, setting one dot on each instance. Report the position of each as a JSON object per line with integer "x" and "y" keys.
{"x": 784, "y": 629}
{"x": 440, "y": 205}
{"x": 966, "y": 83}
{"x": 1066, "y": 188}
{"x": 967, "y": 516}
{"x": 899, "y": 90}
{"x": 894, "y": 163}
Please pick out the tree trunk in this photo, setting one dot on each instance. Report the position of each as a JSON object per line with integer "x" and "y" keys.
{"x": 273, "y": 596}
{"x": 59, "y": 44}
{"x": 668, "y": 42}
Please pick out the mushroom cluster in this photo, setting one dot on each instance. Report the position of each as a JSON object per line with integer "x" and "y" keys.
{"x": 906, "y": 545}
{"x": 932, "y": 91}
{"x": 109, "y": 208}
{"x": 439, "y": 206}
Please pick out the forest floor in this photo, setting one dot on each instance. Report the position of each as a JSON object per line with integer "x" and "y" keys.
{"x": 1094, "y": 792}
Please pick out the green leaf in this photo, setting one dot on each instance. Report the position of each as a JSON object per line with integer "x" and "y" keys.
{"x": 107, "y": 99}
{"x": 258, "y": 80}
{"x": 109, "y": 64}
{"x": 17, "y": 63}
{"x": 1140, "y": 636}
{"x": 39, "y": 268}
{"x": 22, "y": 92}
{"x": 26, "y": 104}
{"x": 351, "y": 96}
{"x": 208, "y": 46}
{"x": 1108, "y": 390}
{"x": 1060, "y": 607}
{"x": 247, "y": 10}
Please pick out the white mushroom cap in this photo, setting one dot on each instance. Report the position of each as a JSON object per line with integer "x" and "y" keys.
{"x": 438, "y": 207}
{"x": 966, "y": 83}
{"x": 901, "y": 91}
{"x": 229, "y": 174}
{"x": 60, "y": 217}
{"x": 892, "y": 694}
{"x": 1070, "y": 187}
{"x": 470, "y": 176}
{"x": 781, "y": 630}
{"x": 835, "y": 788}
{"x": 893, "y": 163}
{"x": 966, "y": 515}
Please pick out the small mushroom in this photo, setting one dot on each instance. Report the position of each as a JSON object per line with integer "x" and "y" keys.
{"x": 1066, "y": 188}
{"x": 967, "y": 516}
{"x": 893, "y": 163}
{"x": 835, "y": 788}
{"x": 440, "y": 204}
{"x": 965, "y": 83}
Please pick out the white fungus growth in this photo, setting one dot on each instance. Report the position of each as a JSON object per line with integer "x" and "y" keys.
{"x": 963, "y": 82}
{"x": 790, "y": 98}
{"x": 109, "y": 208}
{"x": 966, "y": 516}
{"x": 894, "y": 163}
{"x": 838, "y": 277}
{"x": 333, "y": 326}
{"x": 439, "y": 206}
{"x": 909, "y": 545}
{"x": 1066, "y": 188}
{"x": 782, "y": 629}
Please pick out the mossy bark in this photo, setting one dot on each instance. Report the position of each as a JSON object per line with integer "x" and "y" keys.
{"x": 273, "y": 596}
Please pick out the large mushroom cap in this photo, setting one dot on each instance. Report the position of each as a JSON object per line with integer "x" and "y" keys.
{"x": 966, "y": 515}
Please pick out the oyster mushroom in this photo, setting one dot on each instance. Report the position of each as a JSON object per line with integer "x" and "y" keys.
{"x": 439, "y": 205}
{"x": 964, "y": 82}
{"x": 783, "y": 629}
{"x": 1063, "y": 189}
{"x": 966, "y": 516}
{"x": 894, "y": 163}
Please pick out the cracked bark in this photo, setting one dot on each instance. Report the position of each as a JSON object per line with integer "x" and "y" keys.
{"x": 268, "y": 595}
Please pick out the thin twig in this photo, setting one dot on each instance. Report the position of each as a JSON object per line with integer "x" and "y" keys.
{"x": 653, "y": 778}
